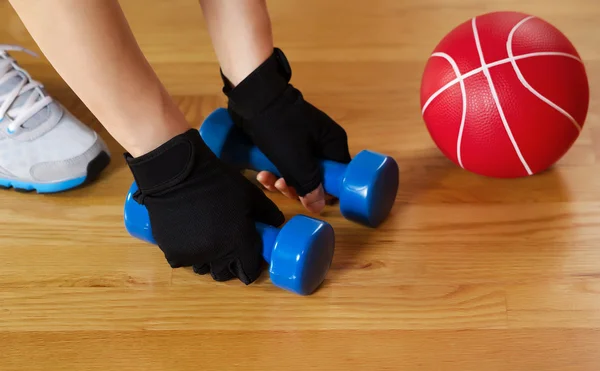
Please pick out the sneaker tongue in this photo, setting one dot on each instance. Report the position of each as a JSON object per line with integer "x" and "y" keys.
{"x": 9, "y": 85}
{"x": 34, "y": 120}
{"x": 38, "y": 118}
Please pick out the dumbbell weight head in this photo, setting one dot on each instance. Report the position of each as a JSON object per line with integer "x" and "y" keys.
{"x": 366, "y": 187}
{"x": 299, "y": 254}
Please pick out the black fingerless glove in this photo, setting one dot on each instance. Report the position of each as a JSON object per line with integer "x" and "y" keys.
{"x": 202, "y": 212}
{"x": 291, "y": 132}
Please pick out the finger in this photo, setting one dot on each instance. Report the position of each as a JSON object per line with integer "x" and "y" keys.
{"x": 315, "y": 200}
{"x": 247, "y": 262}
{"x": 267, "y": 180}
{"x": 222, "y": 273}
{"x": 293, "y": 193}
{"x": 330, "y": 200}
{"x": 287, "y": 191}
{"x": 247, "y": 272}
{"x": 295, "y": 161}
{"x": 201, "y": 269}
{"x": 265, "y": 210}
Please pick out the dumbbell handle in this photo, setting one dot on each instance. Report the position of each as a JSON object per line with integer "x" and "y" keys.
{"x": 138, "y": 223}
{"x": 268, "y": 234}
{"x": 250, "y": 157}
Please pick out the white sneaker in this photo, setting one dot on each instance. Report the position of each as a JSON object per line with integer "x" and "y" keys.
{"x": 43, "y": 147}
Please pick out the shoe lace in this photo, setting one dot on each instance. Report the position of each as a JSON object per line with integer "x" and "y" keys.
{"x": 37, "y": 100}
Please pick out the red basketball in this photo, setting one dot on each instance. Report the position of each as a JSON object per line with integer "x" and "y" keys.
{"x": 504, "y": 94}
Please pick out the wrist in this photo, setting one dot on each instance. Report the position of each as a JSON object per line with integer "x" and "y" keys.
{"x": 162, "y": 121}
{"x": 153, "y": 137}
{"x": 238, "y": 69}
{"x": 260, "y": 88}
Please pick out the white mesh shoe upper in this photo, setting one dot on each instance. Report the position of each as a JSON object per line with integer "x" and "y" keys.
{"x": 40, "y": 141}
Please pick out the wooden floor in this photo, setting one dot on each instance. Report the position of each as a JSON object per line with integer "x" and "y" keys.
{"x": 468, "y": 273}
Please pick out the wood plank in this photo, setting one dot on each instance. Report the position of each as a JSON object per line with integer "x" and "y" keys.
{"x": 468, "y": 273}
{"x": 565, "y": 303}
{"x": 419, "y": 350}
{"x": 187, "y": 307}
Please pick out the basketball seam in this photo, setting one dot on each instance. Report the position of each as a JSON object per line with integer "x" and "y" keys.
{"x": 526, "y": 83}
{"x": 500, "y": 62}
{"x": 464, "y": 104}
{"x": 486, "y": 72}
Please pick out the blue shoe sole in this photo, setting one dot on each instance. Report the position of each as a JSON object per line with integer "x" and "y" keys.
{"x": 94, "y": 169}
{"x": 43, "y": 187}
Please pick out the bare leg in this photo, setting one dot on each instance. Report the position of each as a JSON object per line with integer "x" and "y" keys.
{"x": 92, "y": 38}
{"x": 241, "y": 35}
{"x": 91, "y": 46}
{"x": 242, "y": 39}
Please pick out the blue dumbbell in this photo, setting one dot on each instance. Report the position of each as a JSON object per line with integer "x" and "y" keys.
{"x": 299, "y": 253}
{"x": 366, "y": 187}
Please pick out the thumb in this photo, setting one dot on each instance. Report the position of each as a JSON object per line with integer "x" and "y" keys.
{"x": 334, "y": 143}
{"x": 315, "y": 200}
{"x": 264, "y": 210}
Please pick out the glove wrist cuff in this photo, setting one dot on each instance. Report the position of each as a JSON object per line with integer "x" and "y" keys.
{"x": 259, "y": 89}
{"x": 168, "y": 165}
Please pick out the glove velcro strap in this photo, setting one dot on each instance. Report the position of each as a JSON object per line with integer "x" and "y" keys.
{"x": 256, "y": 92}
{"x": 168, "y": 165}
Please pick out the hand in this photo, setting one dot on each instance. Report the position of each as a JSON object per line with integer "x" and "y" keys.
{"x": 290, "y": 131}
{"x": 202, "y": 212}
